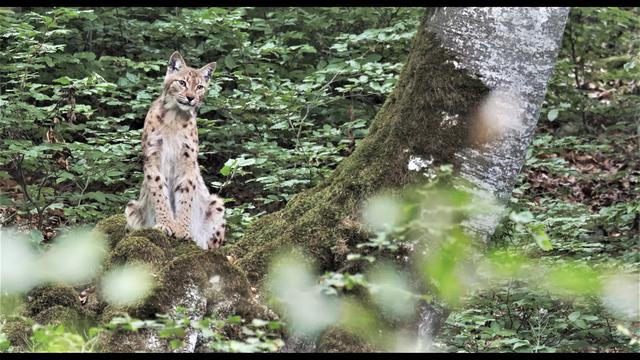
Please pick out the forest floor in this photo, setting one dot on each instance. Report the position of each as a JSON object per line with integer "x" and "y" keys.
{"x": 584, "y": 188}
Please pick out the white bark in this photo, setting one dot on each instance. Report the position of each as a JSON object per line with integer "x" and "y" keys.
{"x": 513, "y": 51}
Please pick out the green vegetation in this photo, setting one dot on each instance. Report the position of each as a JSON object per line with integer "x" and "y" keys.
{"x": 283, "y": 110}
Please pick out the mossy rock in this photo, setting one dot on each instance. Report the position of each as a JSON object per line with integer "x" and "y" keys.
{"x": 121, "y": 341}
{"x": 135, "y": 249}
{"x": 180, "y": 266}
{"x": 174, "y": 279}
{"x": 229, "y": 291}
{"x": 93, "y": 306}
{"x": 113, "y": 227}
{"x": 57, "y": 315}
{"x": 144, "y": 308}
{"x": 18, "y": 332}
{"x": 338, "y": 340}
{"x": 113, "y": 311}
{"x": 44, "y": 297}
{"x": 154, "y": 235}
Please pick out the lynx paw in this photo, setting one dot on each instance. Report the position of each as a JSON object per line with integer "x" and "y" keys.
{"x": 182, "y": 232}
{"x": 216, "y": 239}
{"x": 165, "y": 228}
{"x": 213, "y": 244}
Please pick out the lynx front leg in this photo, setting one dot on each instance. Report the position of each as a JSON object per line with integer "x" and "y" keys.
{"x": 183, "y": 194}
{"x": 164, "y": 217}
{"x": 156, "y": 185}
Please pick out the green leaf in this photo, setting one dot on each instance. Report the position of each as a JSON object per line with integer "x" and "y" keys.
{"x": 552, "y": 114}
{"x": 4, "y": 343}
{"x": 131, "y": 77}
{"x": 580, "y": 324}
{"x": 308, "y": 49}
{"x": 574, "y": 315}
{"x": 629, "y": 66}
{"x": 225, "y": 171}
{"x": 230, "y": 62}
{"x": 98, "y": 196}
{"x": 64, "y": 80}
{"x": 541, "y": 237}
{"x": 93, "y": 331}
{"x": 175, "y": 343}
{"x": 574, "y": 279}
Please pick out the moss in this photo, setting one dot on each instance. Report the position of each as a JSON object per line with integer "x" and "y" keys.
{"x": 234, "y": 279}
{"x": 112, "y": 311}
{"x": 409, "y": 123}
{"x": 179, "y": 247}
{"x": 58, "y": 314}
{"x": 113, "y": 227}
{"x": 157, "y": 237}
{"x": 229, "y": 291}
{"x": 93, "y": 306}
{"x": 120, "y": 341}
{"x": 338, "y": 340}
{"x": 174, "y": 277}
{"x": 44, "y": 297}
{"x": 135, "y": 248}
{"x": 18, "y": 332}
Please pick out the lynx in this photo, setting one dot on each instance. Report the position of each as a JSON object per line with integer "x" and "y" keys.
{"x": 174, "y": 197}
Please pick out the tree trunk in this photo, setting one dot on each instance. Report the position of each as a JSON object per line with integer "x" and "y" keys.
{"x": 513, "y": 51}
{"x": 458, "y": 57}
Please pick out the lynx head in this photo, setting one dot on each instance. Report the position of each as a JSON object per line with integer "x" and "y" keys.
{"x": 185, "y": 87}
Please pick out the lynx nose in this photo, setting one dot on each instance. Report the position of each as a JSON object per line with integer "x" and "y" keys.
{"x": 189, "y": 99}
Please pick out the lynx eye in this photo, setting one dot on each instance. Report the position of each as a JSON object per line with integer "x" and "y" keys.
{"x": 200, "y": 87}
{"x": 182, "y": 82}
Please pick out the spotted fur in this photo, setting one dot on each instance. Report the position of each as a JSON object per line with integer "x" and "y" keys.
{"x": 174, "y": 197}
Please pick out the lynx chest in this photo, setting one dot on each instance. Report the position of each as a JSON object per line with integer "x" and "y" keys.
{"x": 176, "y": 144}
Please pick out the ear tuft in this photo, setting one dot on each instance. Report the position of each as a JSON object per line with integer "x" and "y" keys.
{"x": 176, "y": 62}
{"x": 207, "y": 70}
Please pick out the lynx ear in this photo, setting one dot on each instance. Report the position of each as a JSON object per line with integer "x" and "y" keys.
{"x": 207, "y": 70}
{"x": 176, "y": 62}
